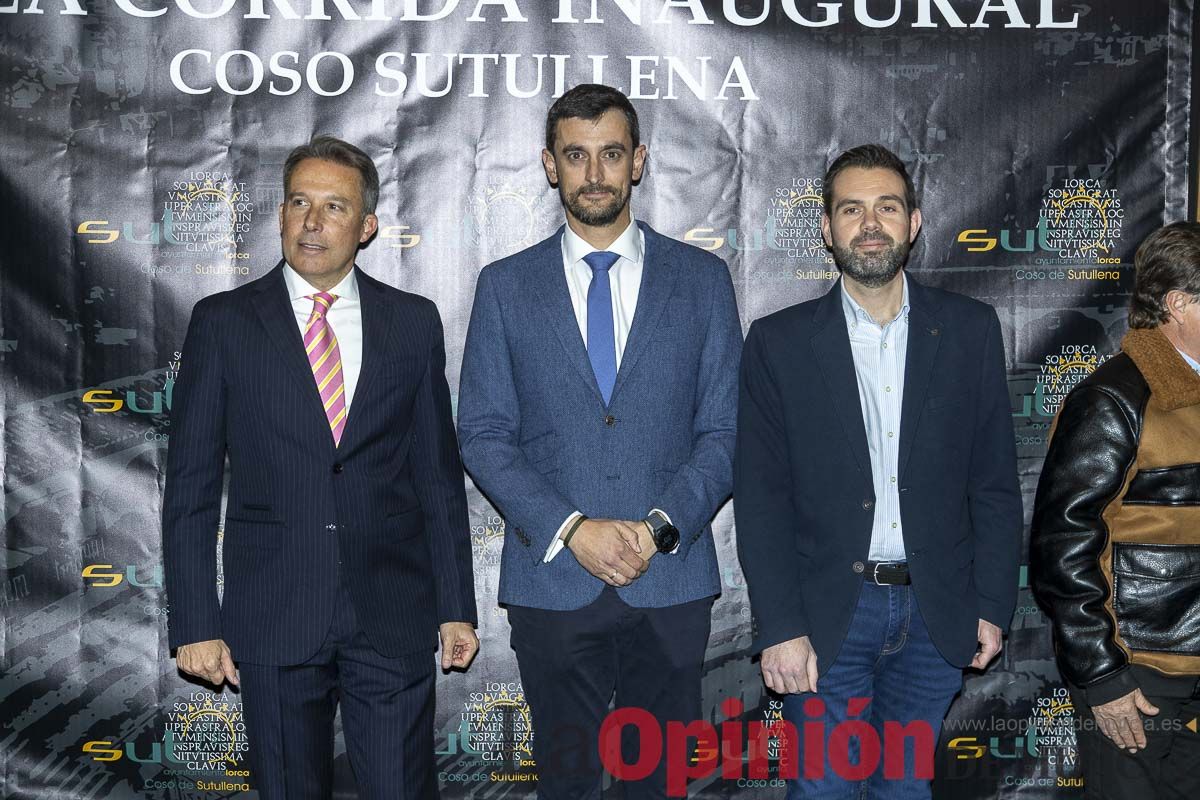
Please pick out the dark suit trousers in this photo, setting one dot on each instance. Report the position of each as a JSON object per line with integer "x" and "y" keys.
{"x": 387, "y": 718}
{"x": 571, "y": 664}
{"x": 1168, "y": 768}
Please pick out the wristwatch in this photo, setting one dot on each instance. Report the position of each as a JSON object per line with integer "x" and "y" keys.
{"x": 665, "y": 535}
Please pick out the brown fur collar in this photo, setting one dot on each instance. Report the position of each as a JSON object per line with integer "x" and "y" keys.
{"x": 1173, "y": 384}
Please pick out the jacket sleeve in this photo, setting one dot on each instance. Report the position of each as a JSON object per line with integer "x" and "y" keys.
{"x": 705, "y": 480}
{"x": 763, "y": 511}
{"x": 1093, "y": 447}
{"x": 439, "y": 484}
{"x": 489, "y": 423}
{"x": 192, "y": 499}
{"x": 993, "y": 491}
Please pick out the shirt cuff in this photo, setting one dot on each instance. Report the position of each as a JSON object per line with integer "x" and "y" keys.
{"x": 556, "y": 544}
{"x": 667, "y": 517}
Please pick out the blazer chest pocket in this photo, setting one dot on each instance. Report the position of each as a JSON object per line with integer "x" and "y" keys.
{"x": 399, "y": 372}
{"x": 1156, "y": 597}
{"x": 938, "y": 402}
{"x": 675, "y": 312}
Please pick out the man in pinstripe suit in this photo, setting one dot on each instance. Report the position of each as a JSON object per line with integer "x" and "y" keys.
{"x": 346, "y": 545}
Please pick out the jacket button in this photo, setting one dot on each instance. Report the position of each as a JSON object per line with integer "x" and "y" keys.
{"x": 610, "y": 420}
{"x": 868, "y": 504}
{"x": 337, "y": 468}
{"x": 858, "y": 567}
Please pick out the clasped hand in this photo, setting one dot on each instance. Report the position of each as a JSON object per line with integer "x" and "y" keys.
{"x": 615, "y": 551}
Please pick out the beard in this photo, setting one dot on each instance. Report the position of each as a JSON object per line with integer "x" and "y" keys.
{"x": 594, "y": 215}
{"x": 872, "y": 269}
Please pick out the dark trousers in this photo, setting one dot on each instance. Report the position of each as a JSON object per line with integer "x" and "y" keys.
{"x": 1167, "y": 767}
{"x": 387, "y": 718}
{"x": 572, "y": 663}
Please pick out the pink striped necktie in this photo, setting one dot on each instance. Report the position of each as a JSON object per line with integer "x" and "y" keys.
{"x": 325, "y": 358}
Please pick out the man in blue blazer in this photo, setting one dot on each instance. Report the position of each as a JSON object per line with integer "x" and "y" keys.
{"x": 596, "y": 410}
{"x": 346, "y": 540}
{"x": 876, "y": 498}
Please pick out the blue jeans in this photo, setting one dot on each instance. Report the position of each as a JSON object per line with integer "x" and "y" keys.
{"x": 888, "y": 670}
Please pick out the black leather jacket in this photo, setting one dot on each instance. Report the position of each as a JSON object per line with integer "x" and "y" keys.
{"x": 1115, "y": 553}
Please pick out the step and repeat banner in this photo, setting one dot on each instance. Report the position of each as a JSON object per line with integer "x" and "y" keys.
{"x": 140, "y": 170}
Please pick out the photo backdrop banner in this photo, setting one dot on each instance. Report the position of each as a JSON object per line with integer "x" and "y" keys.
{"x": 140, "y": 163}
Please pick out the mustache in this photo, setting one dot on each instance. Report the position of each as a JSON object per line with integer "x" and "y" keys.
{"x": 870, "y": 238}
{"x": 594, "y": 187}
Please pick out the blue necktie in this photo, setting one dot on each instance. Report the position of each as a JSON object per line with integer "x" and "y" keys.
{"x": 601, "y": 341}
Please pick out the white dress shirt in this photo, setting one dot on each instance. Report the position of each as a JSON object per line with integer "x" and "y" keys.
{"x": 625, "y": 281}
{"x": 880, "y": 353}
{"x": 344, "y": 316}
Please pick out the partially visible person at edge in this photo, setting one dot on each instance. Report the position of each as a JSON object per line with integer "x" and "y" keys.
{"x": 1115, "y": 553}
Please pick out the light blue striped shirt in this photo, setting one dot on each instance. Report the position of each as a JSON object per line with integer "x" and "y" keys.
{"x": 879, "y": 357}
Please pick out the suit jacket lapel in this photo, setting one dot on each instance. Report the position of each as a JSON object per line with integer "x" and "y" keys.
{"x": 924, "y": 336}
{"x": 549, "y": 283}
{"x": 831, "y": 345}
{"x": 659, "y": 272}
{"x": 274, "y": 309}
{"x": 374, "y": 344}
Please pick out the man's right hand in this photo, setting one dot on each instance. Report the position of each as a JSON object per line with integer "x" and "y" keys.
{"x": 209, "y": 660}
{"x": 608, "y": 549}
{"x": 790, "y": 667}
{"x": 1119, "y": 720}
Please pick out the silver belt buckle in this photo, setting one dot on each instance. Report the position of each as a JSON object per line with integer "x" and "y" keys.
{"x": 875, "y": 571}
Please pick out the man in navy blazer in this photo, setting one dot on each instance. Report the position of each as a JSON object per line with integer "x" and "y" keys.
{"x": 876, "y": 498}
{"x": 346, "y": 540}
{"x": 597, "y": 407}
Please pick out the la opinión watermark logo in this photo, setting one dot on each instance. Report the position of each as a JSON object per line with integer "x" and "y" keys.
{"x": 697, "y": 749}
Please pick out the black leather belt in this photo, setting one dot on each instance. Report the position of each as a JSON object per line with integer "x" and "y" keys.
{"x": 888, "y": 573}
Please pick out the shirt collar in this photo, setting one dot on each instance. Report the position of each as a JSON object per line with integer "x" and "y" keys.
{"x": 298, "y": 288}
{"x": 628, "y": 245}
{"x": 1191, "y": 362}
{"x": 854, "y": 312}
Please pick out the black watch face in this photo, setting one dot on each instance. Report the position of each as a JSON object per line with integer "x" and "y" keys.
{"x": 667, "y": 538}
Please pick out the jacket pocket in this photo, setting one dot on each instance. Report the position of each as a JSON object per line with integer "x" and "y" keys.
{"x": 1156, "y": 596}
{"x": 542, "y": 452}
{"x": 241, "y": 532}
{"x": 403, "y": 525}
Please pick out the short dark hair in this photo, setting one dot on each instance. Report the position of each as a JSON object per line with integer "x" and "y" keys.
{"x": 1167, "y": 259}
{"x": 329, "y": 148}
{"x": 590, "y": 101}
{"x": 869, "y": 156}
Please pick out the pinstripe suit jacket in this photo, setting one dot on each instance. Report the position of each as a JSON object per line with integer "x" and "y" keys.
{"x": 387, "y": 506}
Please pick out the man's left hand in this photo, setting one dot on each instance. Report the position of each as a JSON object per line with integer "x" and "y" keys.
{"x": 459, "y": 644}
{"x": 989, "y": 644}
